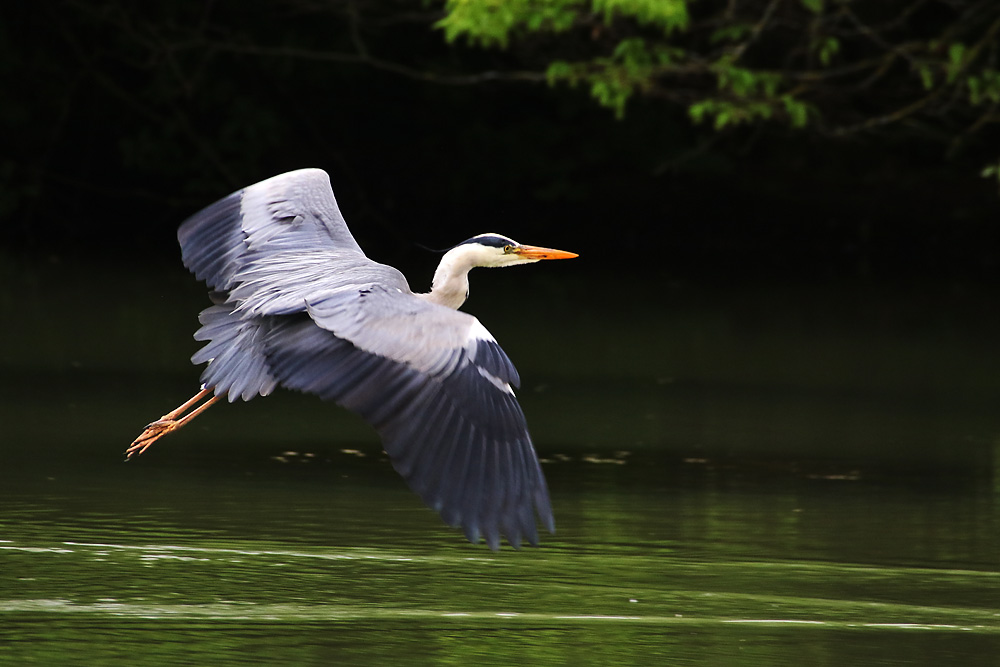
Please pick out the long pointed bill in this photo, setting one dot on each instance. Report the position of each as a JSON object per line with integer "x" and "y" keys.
{"x": 534, "y": 252}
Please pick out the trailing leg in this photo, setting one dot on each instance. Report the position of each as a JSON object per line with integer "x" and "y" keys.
{"x": 170, "y": 422}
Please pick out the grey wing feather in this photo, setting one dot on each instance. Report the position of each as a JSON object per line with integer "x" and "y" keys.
{"x": 235, "y": 352}
{"x": 393, "y": 323}
{"x": 303, "y": 307}
{"x": 437, "y": 387}
{"x": 459, "y": 440}
{"x": 265, "y": 248}
{"x": 297, "y": 210}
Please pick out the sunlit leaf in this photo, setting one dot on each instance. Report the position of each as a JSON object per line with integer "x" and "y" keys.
{"x": 668, "y": 15}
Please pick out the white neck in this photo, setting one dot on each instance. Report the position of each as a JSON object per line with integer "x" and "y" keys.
{"x": 450, "y": 286}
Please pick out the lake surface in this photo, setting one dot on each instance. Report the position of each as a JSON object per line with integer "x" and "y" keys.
{"x": 768, "y": 478}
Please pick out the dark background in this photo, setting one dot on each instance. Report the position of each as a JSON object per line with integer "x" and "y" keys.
{"x": 120, "y": 119}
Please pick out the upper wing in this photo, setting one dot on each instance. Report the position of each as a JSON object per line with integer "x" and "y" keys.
{"x": 274, "y": 245}
{"x": 296, "y": 210}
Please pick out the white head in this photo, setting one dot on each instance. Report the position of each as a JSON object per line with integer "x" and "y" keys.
{"x": 451, "y": 280}
{"x": 492, "y": 250}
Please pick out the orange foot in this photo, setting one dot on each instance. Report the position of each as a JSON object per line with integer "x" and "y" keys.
{"x": 169, "y": 422}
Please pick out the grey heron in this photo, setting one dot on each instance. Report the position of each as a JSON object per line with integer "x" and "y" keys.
{"x": 298, "y": 304}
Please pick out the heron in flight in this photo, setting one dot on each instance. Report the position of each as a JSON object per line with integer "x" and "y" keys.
{"x": 298, "y": 304}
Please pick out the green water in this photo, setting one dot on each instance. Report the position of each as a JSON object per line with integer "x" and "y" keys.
{"x": 332, "y": 561}
{"x": 783, "y": 480}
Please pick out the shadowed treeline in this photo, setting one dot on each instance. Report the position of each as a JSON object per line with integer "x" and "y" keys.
{"x": 121, "y": 119}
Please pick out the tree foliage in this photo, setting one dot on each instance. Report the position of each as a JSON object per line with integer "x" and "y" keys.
{"x": 836, "y": 66}
{"x": 119, "y": 112}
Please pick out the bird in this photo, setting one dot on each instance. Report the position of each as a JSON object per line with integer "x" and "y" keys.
{"x": 296, "y": 303}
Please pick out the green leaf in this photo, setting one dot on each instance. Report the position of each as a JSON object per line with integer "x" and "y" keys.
{"x": 669, "y": 15}
{"x": 828, "y": 49}
{"x": 759, "y": 110}
{"x": 632, "y": 50}
{"x": 722, "y": 118}
{"x": 991, "y": 84}
{"x": 730, "y": 33}
{"x": 955, "y": 53}
{"x": 975, "y": 90}
{"x": 560, "y": 70}
{"x": 743, "y": 82}
{"x": 955, "y": 56}
{"x": 492, "y": 22}
{"x": 926, "y": 77}
{"x": 698, "y": 110}
{"x": 798, "y": 112}
{"x": 815, "y": 6}
{"x": 665, "y": 55}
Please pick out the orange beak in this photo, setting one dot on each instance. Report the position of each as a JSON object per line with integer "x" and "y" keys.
{"x": 534, "y": 252}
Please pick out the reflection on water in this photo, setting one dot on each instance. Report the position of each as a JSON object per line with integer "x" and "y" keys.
{"x": 732, "y": 486}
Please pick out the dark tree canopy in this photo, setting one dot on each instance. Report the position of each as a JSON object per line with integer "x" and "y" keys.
{"x": 837, "y": 67}
{"x": 791, "y": 133}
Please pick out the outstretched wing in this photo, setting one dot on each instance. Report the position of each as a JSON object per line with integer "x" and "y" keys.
{"x": 437, "y": 387}
{"x": 306, "y": 309}
{"x": 293, "y": 210}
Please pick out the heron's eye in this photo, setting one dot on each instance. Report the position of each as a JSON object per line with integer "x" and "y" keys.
{"x": 507, "y": 249}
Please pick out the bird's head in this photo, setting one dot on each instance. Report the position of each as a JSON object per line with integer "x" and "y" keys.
{"x": 451, "y": 279}
{"x": 492, "y": 250}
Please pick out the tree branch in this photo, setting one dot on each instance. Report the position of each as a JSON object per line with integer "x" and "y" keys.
{"x": 379, "y": 64}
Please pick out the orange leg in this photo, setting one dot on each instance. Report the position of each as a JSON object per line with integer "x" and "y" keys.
{"x": 169, "y": 422}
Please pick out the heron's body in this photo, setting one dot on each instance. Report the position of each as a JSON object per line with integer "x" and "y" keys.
{"x": 298, "y": 304}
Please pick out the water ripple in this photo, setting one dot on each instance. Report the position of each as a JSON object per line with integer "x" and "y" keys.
{"x": 240, "y": 611}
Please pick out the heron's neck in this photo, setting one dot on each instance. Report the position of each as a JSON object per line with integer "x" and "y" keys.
{"x": 450, "y": 286}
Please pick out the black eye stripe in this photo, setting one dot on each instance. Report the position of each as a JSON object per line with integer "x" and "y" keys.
{"x": 492, "y": 240}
